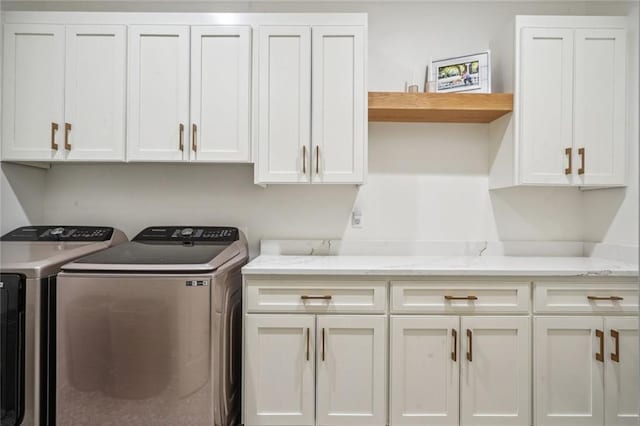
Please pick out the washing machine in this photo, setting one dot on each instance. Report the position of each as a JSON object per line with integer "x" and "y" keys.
{"x": 149, "y": 332}
{"x": 30, "y": 258}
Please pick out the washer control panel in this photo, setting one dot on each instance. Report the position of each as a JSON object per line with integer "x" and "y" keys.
{"x": 60, "y": 233}
{"x": 213, "y": 234}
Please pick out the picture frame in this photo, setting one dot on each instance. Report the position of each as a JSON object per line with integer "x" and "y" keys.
{"x": 469, "y": 73}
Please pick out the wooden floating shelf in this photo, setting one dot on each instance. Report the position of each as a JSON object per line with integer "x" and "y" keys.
{"x": 439, "y": 107}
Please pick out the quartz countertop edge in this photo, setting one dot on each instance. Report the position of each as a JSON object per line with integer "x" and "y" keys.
{"x": 439, "y": 266}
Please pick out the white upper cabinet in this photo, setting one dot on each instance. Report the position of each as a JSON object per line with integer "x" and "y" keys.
{"x": 95, "y": 92}
{"x": 568, "y": 126}
{"x": 338, "y": 136}
{"x": 284, "y": 104}
{"x": 600, "y": 106}
{"x": 33, "y": 92}
{"x": 158, "y": 93}
{"x": 546, "y": 82}
{"x": 311, "y": 104}
{"x": 220, "y": 95}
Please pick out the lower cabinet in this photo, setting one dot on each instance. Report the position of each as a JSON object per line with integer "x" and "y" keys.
{"x": 586, "y": 371}
{"x": 324, "y": 370}
{"x": 460, "y": 370}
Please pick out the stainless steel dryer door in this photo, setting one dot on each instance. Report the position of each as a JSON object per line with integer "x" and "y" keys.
{"x": 133, "y": 349}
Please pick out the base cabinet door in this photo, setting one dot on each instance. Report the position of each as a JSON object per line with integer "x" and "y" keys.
{"x": 33, "y": 92}
{"x": 424, "y": 373}
{"x": 95, "y": 92}
{"x": 351, "y": 373}
{"x": 495, "y": 371}
{"x": 279, "y": 370}
{"x": 621, "y": 376}
{"x": 568, "y": 378}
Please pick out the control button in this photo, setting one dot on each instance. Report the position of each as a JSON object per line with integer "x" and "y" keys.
{"x": 57, "y": 231}
{"x": 186, "y": 232}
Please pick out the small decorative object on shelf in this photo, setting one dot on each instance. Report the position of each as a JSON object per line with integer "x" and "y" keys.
{"x": 470, "y": 73}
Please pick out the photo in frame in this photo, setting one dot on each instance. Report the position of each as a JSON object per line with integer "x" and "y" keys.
{"x": 470, "y": 73}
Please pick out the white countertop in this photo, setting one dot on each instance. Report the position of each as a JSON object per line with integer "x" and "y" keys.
{"x": 439, "y": 265}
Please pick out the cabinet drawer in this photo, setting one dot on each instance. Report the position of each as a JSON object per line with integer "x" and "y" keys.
{"x": 605, "y": 297}
{"x": 455, "y": 296}
{"x": 276, "y": 295}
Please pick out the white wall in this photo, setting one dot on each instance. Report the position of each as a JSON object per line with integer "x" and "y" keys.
{"x": 426, "y": 181}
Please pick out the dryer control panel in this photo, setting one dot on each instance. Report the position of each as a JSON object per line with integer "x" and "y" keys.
{"x": 60, "y": 233}
{"x": 213, "y": 234}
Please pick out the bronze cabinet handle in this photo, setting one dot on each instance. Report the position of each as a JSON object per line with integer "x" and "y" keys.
{"x": 612, "y": 298}
{"x": 616, "y": 355}
{"x": 470, "y": 351}
{"x": 460, "y": 297}
{"x": 54, "y": 129}
{"x": 67, "y": 129}
{"x": 568, "y": 170}
{"x": 304, "y": 159}
{"x": 194, "y": 131}
{"x": 600, "y": 354}
{"x": 317, "y": 159}
{"x": 308, "y": 333}
{"x": 325, "y": 297}
{"x": 181, "y": 138}
{"x": 323, "y": 344}
{"x": 581, "y": 154}
{"x": 454, "y": 337}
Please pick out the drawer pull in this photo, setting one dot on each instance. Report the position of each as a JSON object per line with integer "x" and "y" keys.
{"x": 454, "y": 337}
{"x": 54, "y": 128}
{"x": 308, "y": 333}
{"x": 612, "y": 298}
{"x": 460, "y": 297}
{"x": 326, "y": 297}
{"x": 323, "y": 344}
{"x": 616, "y": 356}
{"x": 470, "y": 351}
{"x": 568, "y": 170}
{"x": 67, "y": 129}
{"x": 600, "y": 354}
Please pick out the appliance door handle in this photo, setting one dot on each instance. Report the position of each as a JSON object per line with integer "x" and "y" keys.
{"x": 317, "y": 159}
{"x": 615, "y": 356}
{"x": 569, "y": 169}
{"x": 470, "y": 351}
{"x": 323, "y": 344}
{"x": 54, "y": 129}
{"x": 304, "y": 159}
{"x": 308, "y": 337}
{"x": 454, "y": 337}
{"x": 600, "y": 354}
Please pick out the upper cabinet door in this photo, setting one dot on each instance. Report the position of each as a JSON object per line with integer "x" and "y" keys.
{"x": 568, "y": 377}
{"x": 351, "y": 372}
{"x": 158, "y": 93}
{"x": 600, "y": 106}
{"x": 425, "y": 371}
{"x": 546, "y": 97}
{"x": 95, "y": 92}
{"x": 339, "y": 113}
{"x": 284, "y": 104}
{"x": 622, "y": 376}
{"x": 33, "y": 92}
{"x": 495, "y": 382}
{"x": 279, "y": 369}
{"x": 220, "y": 81}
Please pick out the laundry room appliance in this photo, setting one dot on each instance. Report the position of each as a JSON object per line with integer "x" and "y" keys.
{"x": 149, "y": 332}
{"x": 30, "y": 258}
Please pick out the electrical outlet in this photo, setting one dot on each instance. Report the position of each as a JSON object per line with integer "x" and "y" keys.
{"x": 356, "y": 218}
